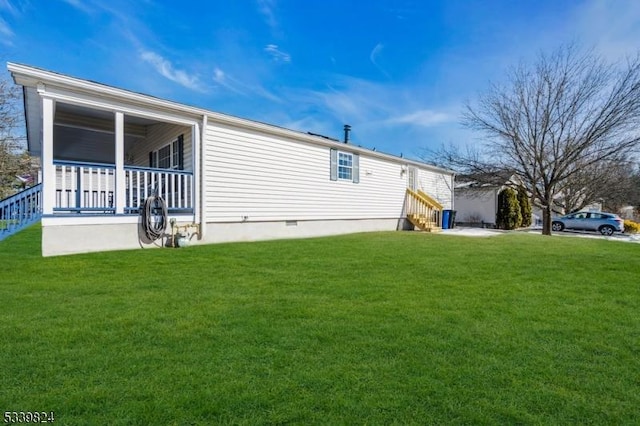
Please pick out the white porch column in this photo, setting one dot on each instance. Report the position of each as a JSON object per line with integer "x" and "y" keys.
{"x": 48, "y": 169}
{"x": 120, "y": 177}
{"x": 202, "y": 179}
{"x": 195, "y": 143}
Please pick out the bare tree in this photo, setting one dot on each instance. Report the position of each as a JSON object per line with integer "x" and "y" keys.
{"x": 614, "y": 188}
{"x": 568, "y": 112}
{"x": 14, "y": 161}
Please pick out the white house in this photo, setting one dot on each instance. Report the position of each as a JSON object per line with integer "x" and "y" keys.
{"x": 477, "y": 204}
{"x": 105, "y": 150}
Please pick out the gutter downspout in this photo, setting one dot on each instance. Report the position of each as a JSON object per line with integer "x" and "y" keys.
{"x": 202, "y": 166}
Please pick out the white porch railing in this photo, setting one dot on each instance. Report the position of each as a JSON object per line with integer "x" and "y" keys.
{"x": 175, "y": 186}
{"x": 84, "y": 187}
{"x": 91, "y": 188}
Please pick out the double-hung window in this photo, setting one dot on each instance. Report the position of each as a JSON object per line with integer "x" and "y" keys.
{"x": 344, "y": 166}
{"x": 170, "y": 156}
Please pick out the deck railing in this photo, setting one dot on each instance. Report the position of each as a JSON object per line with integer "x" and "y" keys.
{"x": 84, "y": 187}
{"x": 423, "y": 212}
{"x": 20, "y": 210}
{"x": 91, "y": 188}
{"x": 175, "y": 186}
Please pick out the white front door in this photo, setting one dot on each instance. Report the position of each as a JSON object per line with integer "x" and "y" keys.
{"x": 412, "y": 179}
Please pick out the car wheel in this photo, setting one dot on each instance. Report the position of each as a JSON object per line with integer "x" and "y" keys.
{"x": 557, "y": 226}
{"x": 607, "y": 230}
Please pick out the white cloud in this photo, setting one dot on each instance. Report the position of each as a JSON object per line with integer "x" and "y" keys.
{"x": 6, "y": 5}
{"x": 350, "y": 99}
{"x": 277, "y": 54}
{"x": 166, "y": 69}
{"x": 422, "y": 118}
{"x": 223, "y": 79}
{"x": 80, "y": 5}
{"x": 266, "y": 8}
{"x": 5, "y": 30}
{"x": 374, "y": 55}
{"x": 397, "y": 116}
{"x": 612, "y": 26}
{"x": 218, "y": 75}
{"x": 377, "y": 50}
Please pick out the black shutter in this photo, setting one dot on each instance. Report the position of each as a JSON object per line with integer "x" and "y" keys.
{"x": 181, "y": 152}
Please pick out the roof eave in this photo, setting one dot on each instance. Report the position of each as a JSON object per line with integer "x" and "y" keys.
{"x": 29, "y": 76}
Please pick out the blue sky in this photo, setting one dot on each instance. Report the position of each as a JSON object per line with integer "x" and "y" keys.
{"x": 398, "y": 71}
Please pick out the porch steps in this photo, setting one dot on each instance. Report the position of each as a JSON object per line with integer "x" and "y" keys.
{"x": 20, "y": 211}
{"x": 423, "y": 223}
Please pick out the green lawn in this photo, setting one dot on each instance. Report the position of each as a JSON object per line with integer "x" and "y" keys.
{"x": 382, "y": 328}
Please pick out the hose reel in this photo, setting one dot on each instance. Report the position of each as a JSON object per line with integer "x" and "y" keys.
{"x": 154, "y": 217}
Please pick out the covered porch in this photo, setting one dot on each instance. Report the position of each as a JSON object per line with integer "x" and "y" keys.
{"x": 100, "y": 161}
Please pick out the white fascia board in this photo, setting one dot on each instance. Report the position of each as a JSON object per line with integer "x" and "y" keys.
{"x": 29, "y": 76}
{"x": 97, "y": 93}
{"x": 97, "y": 102}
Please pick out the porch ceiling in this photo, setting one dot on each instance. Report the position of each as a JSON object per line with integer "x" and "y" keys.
{"x": 98, "y": 114}
{"x": 33, "y": 117}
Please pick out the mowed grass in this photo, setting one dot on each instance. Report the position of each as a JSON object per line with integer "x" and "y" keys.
{"x": 381, "y": 328}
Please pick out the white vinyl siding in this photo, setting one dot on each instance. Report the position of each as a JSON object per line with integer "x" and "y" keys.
{"x": 158, "y": 136}
{"x": 476, "y": 205}
{"x": 437, "y": 185}
{"x": 246, "y": 178}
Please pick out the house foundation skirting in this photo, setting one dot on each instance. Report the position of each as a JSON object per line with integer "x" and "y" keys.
{"x": 256, "y": 231}
{"x": 62, "y": 239}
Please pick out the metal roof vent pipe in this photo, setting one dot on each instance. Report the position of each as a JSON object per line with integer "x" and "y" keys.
{"x": 347, "y": 129}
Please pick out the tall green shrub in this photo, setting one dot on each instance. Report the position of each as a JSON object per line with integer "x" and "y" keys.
{"x": 508, "y": 215}
{"x": 525, "y": 207}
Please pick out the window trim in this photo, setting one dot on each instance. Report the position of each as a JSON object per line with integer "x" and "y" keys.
{"x": 334, "y": 163}
{"x": 345, "y": 171}
{"x": 176, "y": 155}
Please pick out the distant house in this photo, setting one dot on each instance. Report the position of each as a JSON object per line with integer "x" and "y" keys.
{"x": 104, "y": 151}
{"x": 477, "y": 204}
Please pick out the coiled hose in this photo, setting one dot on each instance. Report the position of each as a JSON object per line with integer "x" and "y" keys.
{"x": 154, "y": 217}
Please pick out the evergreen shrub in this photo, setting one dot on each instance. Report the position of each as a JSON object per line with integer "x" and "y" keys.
{"x": 508, "y": 215}
{"x": 525, "y": 207}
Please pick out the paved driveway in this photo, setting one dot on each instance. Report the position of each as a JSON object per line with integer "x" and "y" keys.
{"x": 481, "y": 232}
{"x": 630, "y": 238}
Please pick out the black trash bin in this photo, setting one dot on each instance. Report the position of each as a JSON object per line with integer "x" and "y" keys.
{"x": 452, "y": 219}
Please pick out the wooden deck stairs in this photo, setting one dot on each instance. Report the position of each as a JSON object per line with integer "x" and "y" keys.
{"x": 424, "y": 212}
{"x": 423, "y": 223}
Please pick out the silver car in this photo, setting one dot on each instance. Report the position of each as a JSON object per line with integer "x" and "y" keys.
{"x": 605, "y": 223}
